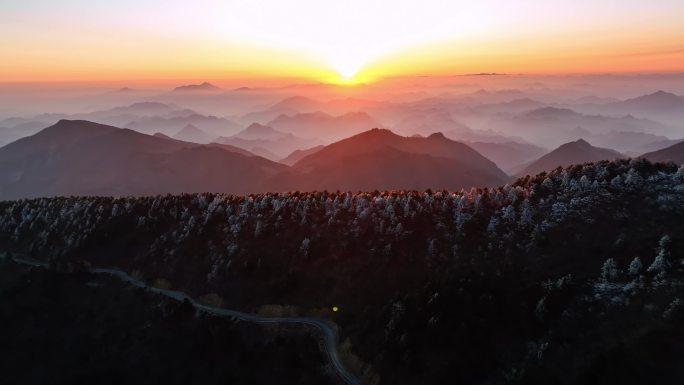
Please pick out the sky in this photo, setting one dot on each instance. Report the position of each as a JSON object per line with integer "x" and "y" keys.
{"x": 334, "y": 41}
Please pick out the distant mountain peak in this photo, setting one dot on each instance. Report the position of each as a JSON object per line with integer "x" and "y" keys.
{"x": 148, "y": 105}
{"x": 551, "y": 112}
{"x": 206, "y": 86}
{"x": 261, "y": 131}
{"x": 190, "y": 127}
{"x": 661, "y": 93}
{"x": 659, "y": 98}
{"x": 582, "y": 142}
{"x": 258, "y": 127}
{"x": 437, "y": 135}
{"x": 191, "y": 133}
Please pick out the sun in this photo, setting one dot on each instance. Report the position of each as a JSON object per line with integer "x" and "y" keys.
{"x": 347, "y": 68}
{"x": 346, "y": 71}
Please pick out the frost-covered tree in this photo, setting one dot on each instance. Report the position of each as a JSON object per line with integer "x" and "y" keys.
{"x": 635, "y": 267}
{"x": 609, "y": 270}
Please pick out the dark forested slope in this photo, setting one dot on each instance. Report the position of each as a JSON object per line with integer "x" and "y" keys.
{"x": 569, "y": 277}
{"x": 81, "y": 328}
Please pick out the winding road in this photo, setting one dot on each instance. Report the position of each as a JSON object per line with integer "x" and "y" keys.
{"x": 326, "y": 328}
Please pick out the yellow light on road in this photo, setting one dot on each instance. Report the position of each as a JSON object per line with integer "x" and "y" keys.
{"x": 335, "y": 308}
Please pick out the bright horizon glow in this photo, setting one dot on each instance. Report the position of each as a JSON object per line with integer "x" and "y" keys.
{"x": 339, "y": 42}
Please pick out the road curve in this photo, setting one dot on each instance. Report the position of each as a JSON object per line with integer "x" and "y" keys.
{"x": 326, "y": 328}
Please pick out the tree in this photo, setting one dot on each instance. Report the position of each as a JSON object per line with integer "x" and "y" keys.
{"x": 609, "y": 270}
{"x": 635, "y": 267}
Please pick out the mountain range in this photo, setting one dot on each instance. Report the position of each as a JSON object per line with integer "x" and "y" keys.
{"x": 324, "y": 126}
{"x": 86, "y": 158}
{"x": 267, "y": 141}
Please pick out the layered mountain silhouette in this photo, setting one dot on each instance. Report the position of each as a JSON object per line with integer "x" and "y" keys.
{"x": 658, "y": 101}
{"x": 660, "y": 106}
{"x": 576, "y": 152}
{"x": 508, "y": 155}
{"x": 85, "y": 158}
{"x": 190, "y": 133}
{"x": 380, "y": 157}
{"x": 260, "y": 131}
{"x": 170, "y": 125}
{"x": 552, "y": 126}
{"x": 324, "y": 126}
{"x": 267, "y": 141}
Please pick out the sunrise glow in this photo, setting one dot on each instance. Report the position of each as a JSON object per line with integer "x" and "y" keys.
{"x": 323, "y": 40}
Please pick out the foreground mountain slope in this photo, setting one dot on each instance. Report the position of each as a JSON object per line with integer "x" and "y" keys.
{"x": 674, "y": 153}
{"x": 567, "y": 154}
{"x": 562, "y": 278}
{"x": 381, "y": 159}
{"x": 85, "y": 158}
{"x": 71, "y": 328}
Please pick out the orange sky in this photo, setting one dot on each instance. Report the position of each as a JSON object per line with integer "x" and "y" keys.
{"x": 71, "y": 40}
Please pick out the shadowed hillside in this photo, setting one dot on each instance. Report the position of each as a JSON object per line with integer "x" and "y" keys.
{"x": 569, "y": 277}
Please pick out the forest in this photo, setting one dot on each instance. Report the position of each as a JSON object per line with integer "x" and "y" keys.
{"x": 574, "y": 276}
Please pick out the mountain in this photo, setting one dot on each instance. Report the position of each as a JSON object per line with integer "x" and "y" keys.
{"x": 85, "y": 158}
{"x": 117, "y": 116}
{"x": 265, "y": 153}
{"x": 514, "y": 106}
{"x": 297, "y": 155}
{"x": 674, "y": 153}
{"x": 324, "y": 126}
{"x": 204, "y": 87}
{"x": 380, "y": 158}
{"x": 551, "y": 126}
{"x": 267, "y": 142}
{"x": 552, "y": 113}
{"x": 226, "y": 147}
{"x": 163, "y": 136}
{"x": 191, "y": 133}
{"x": 577, "y": 152}
{"x": 11, "y": 133}
{"x": 212, "y": 125}
{"x": 508, "y": 155}
{"x": 425, "y": 123}
{"x": 297, "y": 103}
{"x": 657, "y": 101}
{"x": 260, "y": 131}
{"x": 140, "y": 108}
{"x": 630, "y": 143}
{"x": 659, "y": 145}
{"x": 660, "y": 106}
